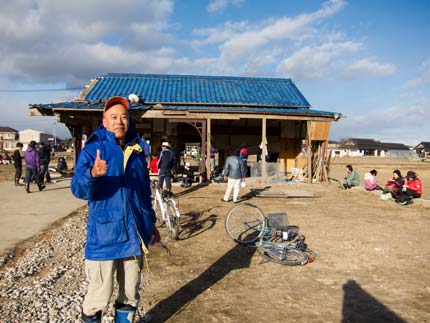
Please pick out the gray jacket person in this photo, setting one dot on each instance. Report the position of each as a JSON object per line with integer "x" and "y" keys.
{"x": 235, "y": 171}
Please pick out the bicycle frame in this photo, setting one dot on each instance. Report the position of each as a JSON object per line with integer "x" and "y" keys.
{"x": 274, "y": 239}
{"x": 162, "y": 202}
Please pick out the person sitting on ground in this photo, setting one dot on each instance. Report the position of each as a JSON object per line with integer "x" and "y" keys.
{"x": 62, "y": 166}
{"x": 187, "y": 176}
{"x": 413, "y": 186}
{"x": 7, "y": 159}
{"x": 395, "y": 184}
{"x": 153, "y": 169}
{"x": 351, "y": 179}
{"x": 370, "y": 181}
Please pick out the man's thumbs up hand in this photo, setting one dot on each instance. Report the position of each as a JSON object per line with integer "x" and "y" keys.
{"x": 100, "y": 166}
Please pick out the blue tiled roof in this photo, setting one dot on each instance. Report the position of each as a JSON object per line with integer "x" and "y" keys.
{"x": 196, "y": 93}
{"x": 200, "y": 90}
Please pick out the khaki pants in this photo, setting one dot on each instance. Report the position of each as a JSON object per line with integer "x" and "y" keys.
{"x": 232, "y": 184}
{"x": 100, "y": 275}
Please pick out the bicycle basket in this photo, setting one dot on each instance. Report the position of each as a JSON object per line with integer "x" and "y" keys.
{"x": 278, "y": 220}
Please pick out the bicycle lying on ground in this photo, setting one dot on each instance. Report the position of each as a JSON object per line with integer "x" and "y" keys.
{"x": 274, "y": 239}
{"x": 166, "y": 209}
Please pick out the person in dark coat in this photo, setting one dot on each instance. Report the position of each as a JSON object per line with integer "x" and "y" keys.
{"x": 17, "y": 162}
{"x": 234, "y": 174}
{"x": 187, "y": 175}
{"x": 165, "y": 165}
{"x": 45, "y": 158}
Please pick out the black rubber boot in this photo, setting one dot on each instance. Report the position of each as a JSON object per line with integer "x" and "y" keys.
{"x": 27, "y": 188}
{"x": 96, "y": 318}
{"x": 41, "y": 187}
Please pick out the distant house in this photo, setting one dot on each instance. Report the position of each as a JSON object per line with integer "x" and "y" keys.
{"x": 353, "y": 147}
{"x": 361, "y": 147}
{"x": 25, "y": 136}
{"x": 8, "y": 138}
{"x": 396, "y": 150}
{"x": 423, "y": 149}
{"x": 334, "y": 148}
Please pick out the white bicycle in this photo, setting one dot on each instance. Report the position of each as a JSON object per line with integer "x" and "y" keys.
{"x": 166, "y": 210}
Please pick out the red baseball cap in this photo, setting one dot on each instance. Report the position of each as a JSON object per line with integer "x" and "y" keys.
{"x": 116, "y": 100}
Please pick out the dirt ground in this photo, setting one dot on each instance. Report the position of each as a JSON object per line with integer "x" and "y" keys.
{"x": 372, "y": 263}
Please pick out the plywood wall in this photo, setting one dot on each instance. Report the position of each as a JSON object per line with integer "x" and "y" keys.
{"x": 320, "y": 130}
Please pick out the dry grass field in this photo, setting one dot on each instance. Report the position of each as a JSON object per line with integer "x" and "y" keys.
{"x": 372, "y": 263}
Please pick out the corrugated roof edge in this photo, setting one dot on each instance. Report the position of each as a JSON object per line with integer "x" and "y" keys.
{"x": 137, "y": 75}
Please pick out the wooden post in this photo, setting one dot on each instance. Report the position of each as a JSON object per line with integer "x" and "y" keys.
{"x": 76, "y": 132}
{"x": 309, "y": 152}
{"x": 203, "y": 161}
{"x": 263, "y": 151}
{"x": 208, "y": 147}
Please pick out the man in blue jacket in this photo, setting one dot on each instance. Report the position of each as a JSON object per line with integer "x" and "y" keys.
{"x": 112, "y": 175}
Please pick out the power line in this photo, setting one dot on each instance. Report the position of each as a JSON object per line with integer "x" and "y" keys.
{"x": 43, "y": 90}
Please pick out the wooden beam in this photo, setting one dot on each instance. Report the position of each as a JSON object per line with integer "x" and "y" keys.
{"x": 230, "y": 116}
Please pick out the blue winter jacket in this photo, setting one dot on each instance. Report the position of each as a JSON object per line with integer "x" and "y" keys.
{"x": 121, "y": 216}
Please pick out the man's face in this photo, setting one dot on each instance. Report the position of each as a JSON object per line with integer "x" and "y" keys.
{"x": 115, "y": 120}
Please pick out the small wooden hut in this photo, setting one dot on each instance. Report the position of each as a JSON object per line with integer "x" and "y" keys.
{"x": 270, "y": 113}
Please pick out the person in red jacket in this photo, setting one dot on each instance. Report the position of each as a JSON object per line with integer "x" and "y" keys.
{"x": 153, "y": 165}
{"x": 413, "y": 186}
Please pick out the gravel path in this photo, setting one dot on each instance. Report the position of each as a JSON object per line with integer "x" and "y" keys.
{"x": 46, "y": 283}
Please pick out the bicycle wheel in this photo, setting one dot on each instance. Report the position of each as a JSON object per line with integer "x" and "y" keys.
{"x": 244, "y": 223}
{"x": 173, "y": 221}
{"x": 282, "y": 255}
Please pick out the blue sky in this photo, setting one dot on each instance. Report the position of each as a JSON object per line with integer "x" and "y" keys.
{"x": 369, "y": 60}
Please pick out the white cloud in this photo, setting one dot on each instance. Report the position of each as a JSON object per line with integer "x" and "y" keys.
{"x": 45, "y": 41}
{"x": 404, "y": 123}
{"x": 216, "y": 6}
{"x": 368, "y": 66}
{"x": 247, "y": 43}
{"x": 314, "y": 62}
{"x": 423, "y": 79}
{"x": 220, "y": 34}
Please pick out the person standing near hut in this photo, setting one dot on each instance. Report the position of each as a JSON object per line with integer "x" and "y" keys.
{"x": 44, "y": 157}
{"x": 234, "y": 173}
{"x": 32, "y": 167}
{"x": 165, "y": 165}
{"x": 17, "y": 162}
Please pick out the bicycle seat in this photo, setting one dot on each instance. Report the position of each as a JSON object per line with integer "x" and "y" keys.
{"x": 166, "y": 193}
